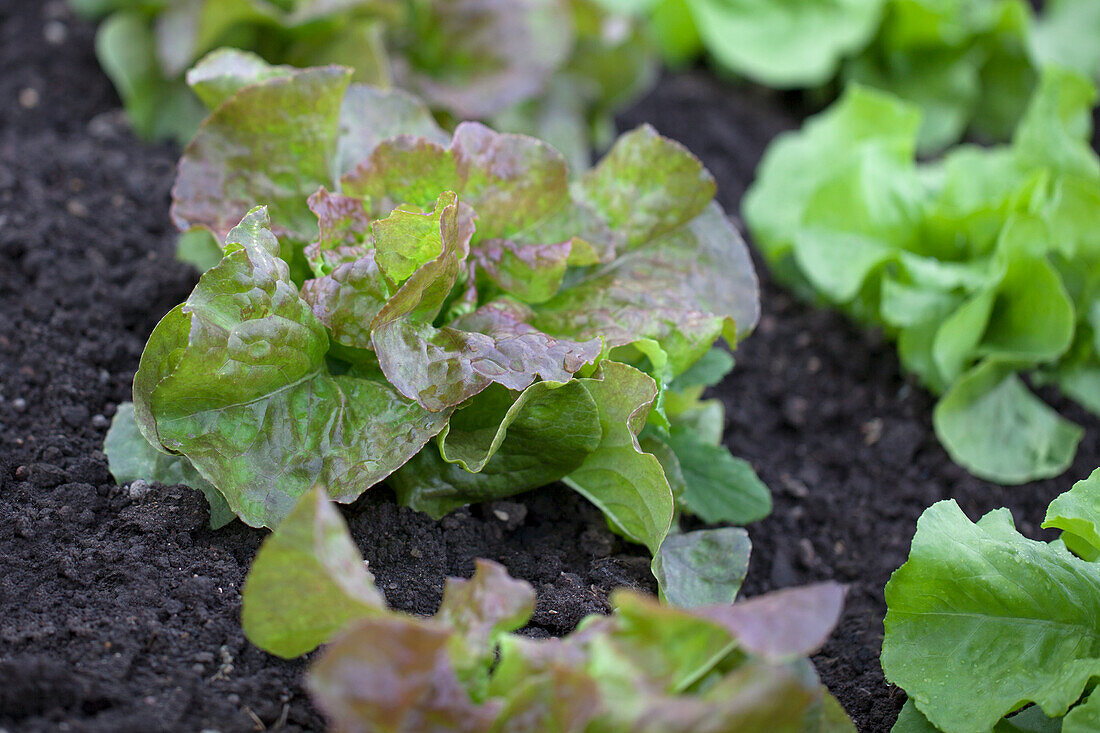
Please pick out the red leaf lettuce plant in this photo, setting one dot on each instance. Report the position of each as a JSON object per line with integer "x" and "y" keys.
{"x": 553, "y": 68}
{"x": 647, "y": 667}
{"x": 449, "y": 314}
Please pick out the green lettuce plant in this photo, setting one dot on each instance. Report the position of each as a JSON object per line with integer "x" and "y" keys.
{"x": 984, "y": 265}
{"x": 983, "y": 621}
{"x": 555, "y": 68}
{"x": 647, "y": 667}
{"x": 450, "y": 314}
{"x": 970, "y": 65}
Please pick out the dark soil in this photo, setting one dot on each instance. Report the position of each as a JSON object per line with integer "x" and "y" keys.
{"x": 120, "y": 612}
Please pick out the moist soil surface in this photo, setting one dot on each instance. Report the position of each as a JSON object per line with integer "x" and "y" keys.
{"x": 119, "y": 610}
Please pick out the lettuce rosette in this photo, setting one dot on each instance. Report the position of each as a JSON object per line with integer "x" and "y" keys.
{"x": 450, "y": 314}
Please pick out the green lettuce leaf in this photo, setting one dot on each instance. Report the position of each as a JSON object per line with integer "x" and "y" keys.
{"x": 312, "y": 554}
{"x": 1077, "y": 514}
{"x": 703, "y": 567}
{"x": 783, "y": 45}
{"x": 646, "y": 667}
{"x": 248, "y": 396}
{"x": 982, "y": 620}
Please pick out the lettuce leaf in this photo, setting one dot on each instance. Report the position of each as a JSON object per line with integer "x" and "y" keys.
{"x": 646, "y": 667}
{"x": 982, "y": 620}
{"x": 554, "y": 68}
{"x": 454, "y": 317}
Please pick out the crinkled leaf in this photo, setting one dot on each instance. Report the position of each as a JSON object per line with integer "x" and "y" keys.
{"x": 628, "y": 485}
{"x": 395, "y": 674}
{"x": 991, "y": 424}
{"x": 719, "y": 487}
{"x": 646, "y": 186}
{"x": 308, "y": 582}
{"x": 497, "y": 446}
{"x": 246, "y": 394}
{"x": 222, "y": 73}
{"x": 981, "y": 620}
{"x": 1077, "y": 514}
{"x": 440, "y": 368}
{"x": 681, "y": 291}
{"x": 130, "y": 457}
{"x": 271, "y": 143}
{"x": 703, "y": 567}
{"x": 474, "y": 58}
{"x": 511, "y": 181}
{"x": 530, "y": 272}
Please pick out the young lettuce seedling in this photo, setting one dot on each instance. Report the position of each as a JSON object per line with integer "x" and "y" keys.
{"x": 647, "y": 667}
{"x": 455, "y": 317}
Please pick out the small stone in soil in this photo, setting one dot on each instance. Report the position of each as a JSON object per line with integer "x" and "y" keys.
{"x": 139, "y": 489}
{"x": 100, "y": 422}
{"x": 19, "y": 404}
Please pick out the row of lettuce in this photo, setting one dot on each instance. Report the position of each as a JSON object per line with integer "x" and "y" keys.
{"x": 558, "y": 69}
{"x": 467, "y": 315}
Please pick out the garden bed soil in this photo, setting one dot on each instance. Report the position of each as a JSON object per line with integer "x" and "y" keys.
{"x": 119, "y": 610}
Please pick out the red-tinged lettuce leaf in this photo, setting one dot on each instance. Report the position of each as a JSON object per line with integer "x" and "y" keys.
{"x": 222, "y": 73}
{"x": 481, "y": 610}
{"x": 682, "y": 291}
{"x": 370, "y": 115}
{"x": 703, "y": 567}
{"x": 792, "y": 622}
{"x": 483, "y": 607}
{"x": 345, "y": 231}
{"x": 529, "y": 272}
{"x": 348, "y": 299}
{"x": 661, "y": 668}
{"x": 307, "y": 583}
{"x": 474, "y": 58}
{"x": 512, "y": 181}
{"x": 396, "y": 675}
{"x": 648, "y": 667}
{"x": 236, "y": 379}
{"x": 627, "y": 484}
{"x": 646, "y": 186}
{"x": 443, "y": 367}
{"x": 275, "y": 141}
{"x": 271, "y": 143}
{"x": 497, "y": 446}
{"x": 544, "y": 686}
